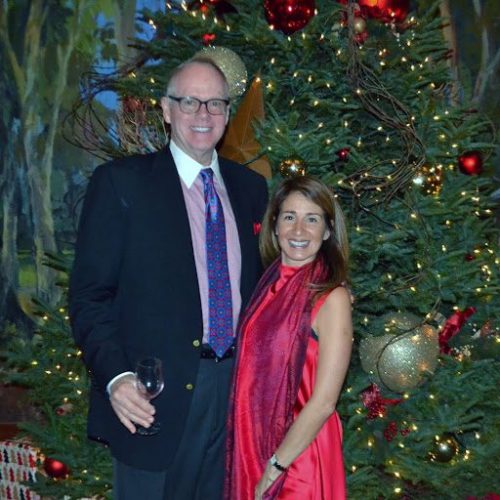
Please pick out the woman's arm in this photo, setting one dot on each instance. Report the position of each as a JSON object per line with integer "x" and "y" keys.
{"x": 334, "y": 327}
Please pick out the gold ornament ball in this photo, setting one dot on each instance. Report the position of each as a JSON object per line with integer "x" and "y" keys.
{"x": 399, "y": 358}
{"x": 429, "y": 179}
{"x": 359, "y": 25}
{"x": 445, "y": 448}
{"x": 292, "y": 167}
{"x": 231, "y": 65}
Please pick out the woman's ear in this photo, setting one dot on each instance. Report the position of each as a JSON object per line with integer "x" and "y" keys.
{"x": 328, "y": 231}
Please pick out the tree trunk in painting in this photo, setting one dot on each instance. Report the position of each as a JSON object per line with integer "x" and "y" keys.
{"x": 10, "y": 309}
{"x": 39, "y": 101}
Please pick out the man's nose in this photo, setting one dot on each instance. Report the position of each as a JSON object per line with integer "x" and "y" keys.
{"x": 203, "y": 109}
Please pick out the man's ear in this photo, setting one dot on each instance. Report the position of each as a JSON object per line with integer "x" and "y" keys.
{"x": 165, "y": 108}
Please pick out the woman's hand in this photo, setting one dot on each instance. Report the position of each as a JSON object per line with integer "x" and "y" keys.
{"x": 266, "y": 481}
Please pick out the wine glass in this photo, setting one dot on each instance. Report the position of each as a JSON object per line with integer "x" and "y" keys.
{"x": 149, "y": 376}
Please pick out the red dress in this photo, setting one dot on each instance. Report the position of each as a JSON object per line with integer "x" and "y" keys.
{"x": 318, "y": 473}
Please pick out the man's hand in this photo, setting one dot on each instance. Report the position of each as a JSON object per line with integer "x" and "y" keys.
{"x": 130, "y": 406}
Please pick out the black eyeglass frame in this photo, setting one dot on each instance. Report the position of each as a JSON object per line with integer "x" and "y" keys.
{"x": 200, "y": 102}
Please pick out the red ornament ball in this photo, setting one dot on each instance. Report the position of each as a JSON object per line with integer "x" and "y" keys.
{"x": 220, "y": 7}
{"x": 208, "y": 39}
{"x": 289, "y": 16}
{"x": 470, "y": 163}
{"x": 55, "y": 468}
{"x": 387, "y": 10}
{"x": 343, "y": 154}
{"x": 384, "y": 10}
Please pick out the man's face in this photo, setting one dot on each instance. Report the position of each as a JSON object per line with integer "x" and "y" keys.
{"x": 196, "y": 134}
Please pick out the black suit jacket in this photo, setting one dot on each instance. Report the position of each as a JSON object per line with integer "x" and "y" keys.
{"x": 134, "y": 289}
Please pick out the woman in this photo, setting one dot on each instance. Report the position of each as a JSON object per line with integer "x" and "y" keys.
{"x": 284, "y": 436}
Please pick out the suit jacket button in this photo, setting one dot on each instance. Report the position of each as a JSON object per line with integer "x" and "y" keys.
{"x": 189, "y": 387}
{"x": 196, "y": 343}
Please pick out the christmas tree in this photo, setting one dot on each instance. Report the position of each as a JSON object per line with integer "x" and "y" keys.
{"x": 359, "y": 95}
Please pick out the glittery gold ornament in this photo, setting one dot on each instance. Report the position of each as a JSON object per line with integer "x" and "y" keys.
{"x": 429, "y": 179}
{"x": 231, "y": 65}
{"x": 292, "y": 167}
{"x": 359, "y": 25}
{"x": 445, "y": 448}
{"x": 399, "y": 358}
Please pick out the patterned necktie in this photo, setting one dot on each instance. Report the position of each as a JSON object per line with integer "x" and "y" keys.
{"x": 220, "y": 309}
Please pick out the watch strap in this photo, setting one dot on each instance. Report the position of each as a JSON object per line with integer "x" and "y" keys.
{"x": 274, "y": 462}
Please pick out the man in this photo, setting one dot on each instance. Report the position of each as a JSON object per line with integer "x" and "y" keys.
{"x": 143, "y": 285}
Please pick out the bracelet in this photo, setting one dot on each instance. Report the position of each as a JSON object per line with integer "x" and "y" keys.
{"x": 274, "y": 462}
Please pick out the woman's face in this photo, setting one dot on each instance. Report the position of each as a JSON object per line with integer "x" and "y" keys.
{"x": 301, "y": 229}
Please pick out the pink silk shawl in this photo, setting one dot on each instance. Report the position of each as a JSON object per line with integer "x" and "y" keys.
{"x": 272, "y": 344}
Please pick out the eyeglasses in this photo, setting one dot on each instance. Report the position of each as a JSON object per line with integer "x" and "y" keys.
{"x": 191, "y": 105}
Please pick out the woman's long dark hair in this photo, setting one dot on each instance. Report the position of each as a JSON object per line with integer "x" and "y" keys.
{"x": 334, "y": 251}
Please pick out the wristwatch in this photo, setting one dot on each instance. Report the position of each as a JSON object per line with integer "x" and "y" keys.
{"x": 274, "y": 462}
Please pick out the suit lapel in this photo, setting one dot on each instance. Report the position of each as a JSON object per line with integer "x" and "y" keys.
{"x": 171, "y": 208}
{"x": 233, "y": 186}
{"x": 241, "y": 215}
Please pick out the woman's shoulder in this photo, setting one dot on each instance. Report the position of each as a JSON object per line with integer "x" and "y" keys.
{"x": 331, "y": 302}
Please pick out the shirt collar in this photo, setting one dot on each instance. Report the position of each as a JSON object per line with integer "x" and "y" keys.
{"x": 188, "y": 168}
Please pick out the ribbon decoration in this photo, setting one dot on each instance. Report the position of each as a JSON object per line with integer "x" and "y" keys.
{"x": 376, "y": 404}
{"x": 452, "y": 326}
